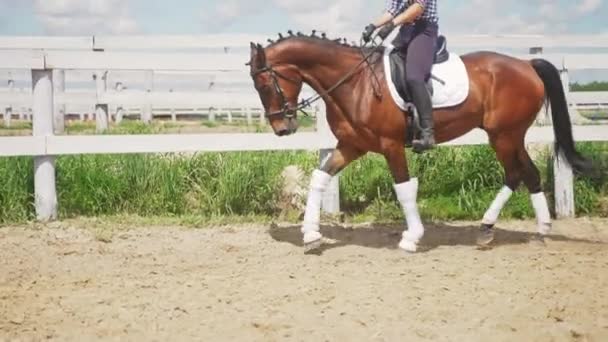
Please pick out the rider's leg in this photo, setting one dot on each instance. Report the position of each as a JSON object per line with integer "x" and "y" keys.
{"x": 419, "y": 63}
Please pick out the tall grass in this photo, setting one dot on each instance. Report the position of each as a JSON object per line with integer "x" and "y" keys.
{"x": 16, "y": 189}
{"x": 455, "y": 183}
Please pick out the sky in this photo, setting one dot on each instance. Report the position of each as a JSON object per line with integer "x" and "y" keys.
{"x": 90, "y": 17}
{"x": 339, "y": 18}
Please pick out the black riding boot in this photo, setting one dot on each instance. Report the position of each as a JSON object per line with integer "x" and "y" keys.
{"x": 422, "y": 101}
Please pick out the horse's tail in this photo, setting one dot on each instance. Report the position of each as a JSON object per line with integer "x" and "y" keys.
{"x": 562, "y": 126}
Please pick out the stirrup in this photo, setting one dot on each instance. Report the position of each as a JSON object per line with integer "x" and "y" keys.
{"x": 424, "y": 144}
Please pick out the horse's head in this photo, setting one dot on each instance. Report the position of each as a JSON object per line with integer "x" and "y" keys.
{"x": 278, "y": 86}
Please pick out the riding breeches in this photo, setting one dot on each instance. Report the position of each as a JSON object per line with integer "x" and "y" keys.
{"x": 419, "y": 41}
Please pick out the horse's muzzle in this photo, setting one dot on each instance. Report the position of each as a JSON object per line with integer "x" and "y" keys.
{"x": 283, "y": 132}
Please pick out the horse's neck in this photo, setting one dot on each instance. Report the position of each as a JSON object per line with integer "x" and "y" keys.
{"x": 331, "y": 80}
{"x": 324, "y": 76}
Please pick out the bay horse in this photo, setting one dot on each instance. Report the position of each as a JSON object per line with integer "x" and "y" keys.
{"x": 505, "y": 96}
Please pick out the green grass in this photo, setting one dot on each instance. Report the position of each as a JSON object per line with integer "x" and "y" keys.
{"x": 593, "y": 86}
{"x": 16, "y": 189}
{"x": 455, "y": 183}
{"x": 594, "y": 114}
{"x": 125, "y": 127}
{"x": 17, "y": 125}
{"x": 209, "y": 124}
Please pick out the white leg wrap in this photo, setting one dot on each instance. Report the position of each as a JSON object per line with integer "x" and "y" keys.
{"x": 543, "y": 217}
{"x": 318, "y": 183}
{"x": 407, "y": 194}
{"x": 491, "y": 216}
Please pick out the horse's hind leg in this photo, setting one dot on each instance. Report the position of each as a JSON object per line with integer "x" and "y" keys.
{"x": 511, "y": 152}
{"x": 338, "y": 160}
{"x": 531, "y": 177}
{"x": 507, "y": 147}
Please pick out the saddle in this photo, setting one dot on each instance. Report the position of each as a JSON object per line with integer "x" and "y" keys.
{"x": 398, "y": 60}
{"x": 398, "y": 74}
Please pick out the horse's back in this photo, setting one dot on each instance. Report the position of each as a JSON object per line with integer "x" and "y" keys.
{"x": 495, "y": 61}
{"x": 503, "y": 70}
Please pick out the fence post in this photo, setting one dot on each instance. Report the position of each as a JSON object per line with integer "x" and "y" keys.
{"x": 120, "y": 112}
{"x": 262, "y": 118}
{"x": 8, "y": 114}
{"x": 146, "y": 113}
{"x": 211, "y": 115}
{"x": 331, "y": 197}
{"x": 44, "y": 166}
{"x": 248, "y": 116}
{"x": 563, "y": 176}
{"x": 60, "y": 107}
{"x": 173, "y": 113}
{"x": 564, "y": 187}
{"x": 101, "y": 108}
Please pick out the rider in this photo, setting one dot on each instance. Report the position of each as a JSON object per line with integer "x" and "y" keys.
{"x": 417, "y": 36}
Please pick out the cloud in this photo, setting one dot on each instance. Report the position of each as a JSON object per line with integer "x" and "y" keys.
{"x": 333, "y": 16}
{"x": 337, "y": 17}
{"x": 85, "y": 16}
{"x": 468, "y": 16}
{"x": 588, "y": 6}
{"x": 217, "y": 17}
{"x": 518, "y": 16}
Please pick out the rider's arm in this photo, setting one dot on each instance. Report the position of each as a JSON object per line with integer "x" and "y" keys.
{"x": 385, "y": 18}
{"x": 393, "y": 8}
{"x": 411, "y": 14}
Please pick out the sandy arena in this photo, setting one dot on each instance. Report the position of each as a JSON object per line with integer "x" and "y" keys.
{"x": 253, "y": 283}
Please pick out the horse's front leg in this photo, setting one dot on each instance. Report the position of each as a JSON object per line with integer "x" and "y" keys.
{"x": 337, "y": 161}
{"x": 407, "y": 191}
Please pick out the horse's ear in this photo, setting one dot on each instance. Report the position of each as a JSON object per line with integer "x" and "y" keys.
{"x": 252, "y": 53}
{"x": 260, "y": 55}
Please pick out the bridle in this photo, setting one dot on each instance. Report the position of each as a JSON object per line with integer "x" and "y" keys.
{"x": 290, "y": 113}
{"x": 286, "y": 111}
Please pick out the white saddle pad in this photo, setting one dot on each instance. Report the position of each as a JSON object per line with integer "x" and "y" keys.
{"x": 452, "y": 72}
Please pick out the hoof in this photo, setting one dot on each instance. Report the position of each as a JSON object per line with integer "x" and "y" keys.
{"x": 538, "y": 240}
{"x": 312, "y": 241}
{"x": 408, "y": 246}
{"x": 485, "y": 235}
{"x": 312, "y": 247}
{"x": 414, "y": 238}
{"x": 544, "y": 228}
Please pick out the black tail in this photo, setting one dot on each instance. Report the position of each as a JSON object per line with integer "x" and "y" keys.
{"x": 562, "y": 126}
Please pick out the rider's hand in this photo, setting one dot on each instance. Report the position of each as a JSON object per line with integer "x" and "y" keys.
{"x": 386, "y": 30}
{"x": 367, "y": 34}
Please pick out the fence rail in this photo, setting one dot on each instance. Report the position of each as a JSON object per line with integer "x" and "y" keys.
{"x": 47, "y": 59}
{"x": 223, "y": 41}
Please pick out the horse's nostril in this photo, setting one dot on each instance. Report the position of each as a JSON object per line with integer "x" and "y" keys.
{"x": 282, "y": 132}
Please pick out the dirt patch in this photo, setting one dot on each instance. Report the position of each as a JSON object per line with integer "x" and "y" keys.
{"x": 253, "y": 283}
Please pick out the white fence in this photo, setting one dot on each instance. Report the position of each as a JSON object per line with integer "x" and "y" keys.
{"x": 213, "y": 66}
{"x": 47, "y": 59}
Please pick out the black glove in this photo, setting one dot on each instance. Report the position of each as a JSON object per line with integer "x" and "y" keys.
{"x": 386, "y": 30}
{"x": 367, "y": 34}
